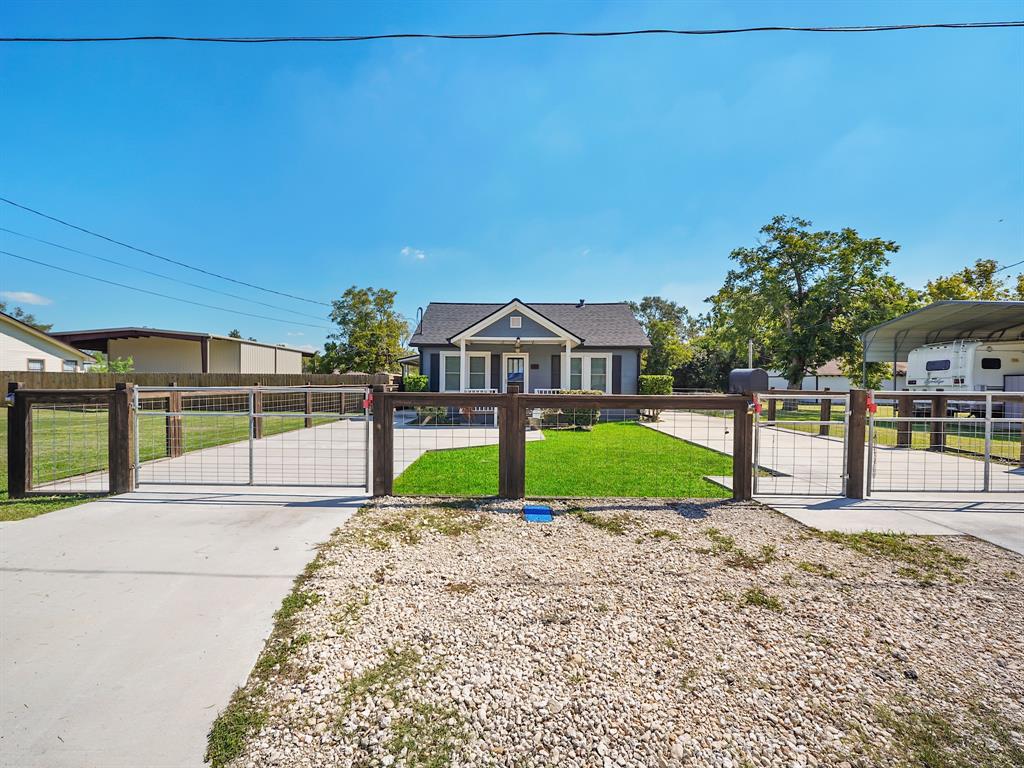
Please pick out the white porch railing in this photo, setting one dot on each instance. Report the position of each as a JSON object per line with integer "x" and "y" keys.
{"x": 482, "y": 408}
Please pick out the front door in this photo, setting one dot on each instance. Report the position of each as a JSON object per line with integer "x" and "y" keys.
{"x": 516, "y": 372}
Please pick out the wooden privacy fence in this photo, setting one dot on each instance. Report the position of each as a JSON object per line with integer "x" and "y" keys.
{"x": 512, "y": 411}
{"x": 118, "y": 404}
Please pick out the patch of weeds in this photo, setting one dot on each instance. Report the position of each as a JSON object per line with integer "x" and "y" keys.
{"x": 408, "y": 527}
{"x": 614, "y": 524}
{"x": 1011, "y": 575}
{"x": 720, "y": 541}
{"x": 921, "y": 558}
{"x": 739, "y": 558}
{"x": 817, "y": 569}
{"x": 277, "y": 653}
{"x": 350, "y": 612}
{"x": 758, "y": 598}
{"x": 428, "y": 737}
{"x": 929, "y": 739}
{"x": 658, "y": 534}
{"x": 398, "y": 665}
{"x": 459, "y": 588}
{"x": 241, "y": 719}
{"x": 602, "y": 608}
{"x": 291, "y": 605}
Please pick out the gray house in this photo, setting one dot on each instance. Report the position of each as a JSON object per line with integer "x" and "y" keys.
{"x": 535, "y": 347}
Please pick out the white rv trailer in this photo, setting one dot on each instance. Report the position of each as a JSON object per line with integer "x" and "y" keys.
{"x": 964, "y": 365}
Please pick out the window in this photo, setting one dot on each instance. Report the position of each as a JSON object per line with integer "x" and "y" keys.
{"x": 515, "y": 321}
{"x": 575, "y": 373}
{"x": 452, "y": 366}
{"x": 70, "y": 366}
{"x": 36, "y": 365}
{"x": 599, "y": 373}
{"x": 991, "y": 363}
{"x": 937, "y": 365}
{"x": 477, "y": 372}
{"x": 590, "y": 371}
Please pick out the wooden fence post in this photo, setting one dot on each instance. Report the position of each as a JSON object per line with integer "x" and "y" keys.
{"x": 172, "y": 424}
{"x": 257, "y": 408}
{"x": 773, "y": 405}
{"x": 119, "y": 440}
{"x": 855, "y": 447}
{"x": 937, "y": 440}
{"x": 742, "y": 453}
{"x": 309, "y": 407}
{"x": 512, "y": 448}
{"x": 383, "y": 443}
{"x": 19, "y": 444}
{"x": 904, "y": 429}
{"x": 826, "y": 415}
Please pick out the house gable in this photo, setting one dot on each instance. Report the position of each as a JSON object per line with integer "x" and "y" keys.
{"x": 501, "y": 317}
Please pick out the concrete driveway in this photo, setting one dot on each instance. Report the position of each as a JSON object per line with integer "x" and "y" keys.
{"x": 126, "y": 623}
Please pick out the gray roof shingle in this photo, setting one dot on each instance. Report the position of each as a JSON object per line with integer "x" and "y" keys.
{"x": 599, "y": 325}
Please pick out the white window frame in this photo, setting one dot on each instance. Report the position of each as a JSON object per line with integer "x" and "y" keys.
{"x": 69, "y": 366}
{"x": 42, "y": 365}
{"x": 526, "y": 370}
{"x": 515, "y": 321}
{"x": 458, "y": 356}
{"x": 587, "y": 357}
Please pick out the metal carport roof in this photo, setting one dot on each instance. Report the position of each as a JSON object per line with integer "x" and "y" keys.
{"x": 892, "y": 340}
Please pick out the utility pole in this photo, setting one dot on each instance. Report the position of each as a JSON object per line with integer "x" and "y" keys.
{"x": 750, "y": 353}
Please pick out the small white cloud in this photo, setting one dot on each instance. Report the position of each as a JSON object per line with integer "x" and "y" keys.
{"x": 26, "y": 297}
{"x": 295, "y": 333}
{"x": 585, "y": 252}
{"x": 415, "y": 253}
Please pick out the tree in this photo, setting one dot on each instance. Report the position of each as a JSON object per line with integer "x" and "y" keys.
{"x": 234, "y": 333}
{"x": 667, "y": 325}
{"x": 370, "y": 333}
{"x": 28, "y": 319}
{"x": 104, "y": 364}
{"x": 805, "y": 296}
{"x": 981, "y": 282}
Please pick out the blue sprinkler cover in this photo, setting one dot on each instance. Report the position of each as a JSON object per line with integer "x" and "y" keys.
{"x": 537, "y": 513}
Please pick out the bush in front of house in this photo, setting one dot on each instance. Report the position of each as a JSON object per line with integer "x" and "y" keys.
{"x": 651, "y": 384}
{"x": 415, "y": 383}
{"x": 572, "y": 418}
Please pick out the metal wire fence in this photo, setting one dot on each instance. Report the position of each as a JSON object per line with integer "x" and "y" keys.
{"x": 69, "y": 448}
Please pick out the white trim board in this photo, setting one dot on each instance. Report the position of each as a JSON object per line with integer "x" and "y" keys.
{"x": 517, "y": 306}
{"x": 526, "y": 370}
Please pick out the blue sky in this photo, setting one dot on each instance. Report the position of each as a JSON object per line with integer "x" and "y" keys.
{"x": 545, "y": 169}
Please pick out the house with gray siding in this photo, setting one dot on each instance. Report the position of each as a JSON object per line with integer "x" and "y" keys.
{"x": 532, "y": 347}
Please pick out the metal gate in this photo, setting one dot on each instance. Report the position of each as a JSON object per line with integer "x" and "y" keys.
{"x": 800, "y": 444}
{"x": 972, "y": 443}
{"x": 287, "y": 436}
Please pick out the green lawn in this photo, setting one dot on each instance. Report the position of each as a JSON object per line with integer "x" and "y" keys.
{"x": 67, "y": 443}
{"x": 613, "y": 459}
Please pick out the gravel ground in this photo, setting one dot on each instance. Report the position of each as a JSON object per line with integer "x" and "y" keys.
{"x": 639, "y": 634}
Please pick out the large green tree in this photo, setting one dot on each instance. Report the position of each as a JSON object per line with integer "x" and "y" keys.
{"x": 980, "y": 282}
{"x": 668, "y": 325}
{"x": 370, "y": 333}
{"x": 803, "y": 296}
{"x": 25, "y": 317}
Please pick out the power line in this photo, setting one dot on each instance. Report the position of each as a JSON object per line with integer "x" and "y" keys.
{"x": 161, "y": 295}
{"x": 506, "y": 35}
{"x": 158, "y": 256}
{"x": 158, "y": 274}
{"x": 1008, "y": 266}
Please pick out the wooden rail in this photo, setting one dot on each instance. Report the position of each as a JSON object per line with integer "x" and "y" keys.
{"x": 512, "y": 410}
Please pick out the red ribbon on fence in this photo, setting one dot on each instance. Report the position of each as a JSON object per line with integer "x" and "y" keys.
{"x": 368, "y": 400}
{"x": 871, "y": 404}
{"x": 757, "y": 404}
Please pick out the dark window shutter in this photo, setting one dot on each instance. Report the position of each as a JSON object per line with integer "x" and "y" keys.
{"x": 616, "y": 374}
{"x": 556, "y": 371}
{"x": 435, "y": 371}
{"x": 496, "y": 371}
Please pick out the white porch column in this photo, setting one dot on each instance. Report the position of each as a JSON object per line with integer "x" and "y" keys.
{"x": 462, "y": 365}
{"x": 565, "y": 366}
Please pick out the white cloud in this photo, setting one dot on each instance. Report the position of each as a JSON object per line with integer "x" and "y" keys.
{"x": 26, "y": 297}
{"x": 295, "y": 333}
{"x": 415, "y": 253}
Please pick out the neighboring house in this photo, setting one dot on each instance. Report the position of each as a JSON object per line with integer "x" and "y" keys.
{"x": 410, "y": 364}
{"x": 24, "y": 348}
{"x": 829, "y": 376}
{"x": 530, "y": 346}
{"x": 161, "y": 351}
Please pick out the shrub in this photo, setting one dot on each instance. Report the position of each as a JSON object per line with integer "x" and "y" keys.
{"x": 415, "y": 383}
{"x": 578, "y": 418}
{"x": 655, "y": 385}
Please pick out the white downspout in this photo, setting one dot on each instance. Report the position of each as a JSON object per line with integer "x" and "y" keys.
{"x": 462, "y": 365}
{"x": 565, "y": 366}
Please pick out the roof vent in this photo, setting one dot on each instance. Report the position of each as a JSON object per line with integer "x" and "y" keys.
{"x": 581, "y": 303}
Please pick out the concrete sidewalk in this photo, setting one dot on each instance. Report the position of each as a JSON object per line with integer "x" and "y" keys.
{"x": 992, "y": 517}
{"x": 126, "y": 623}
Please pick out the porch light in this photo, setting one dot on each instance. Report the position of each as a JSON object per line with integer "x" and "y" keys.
{"x": 518, "y": 347}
